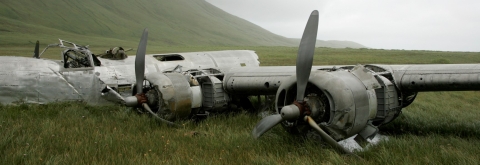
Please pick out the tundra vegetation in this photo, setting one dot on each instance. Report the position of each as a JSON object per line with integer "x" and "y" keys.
{"x": 438, "y": 128}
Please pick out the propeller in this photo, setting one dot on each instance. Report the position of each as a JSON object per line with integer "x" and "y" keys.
{"x": 327, "y": 137}
{"x": 140, "y": 97}
{"x": 266, "y": 124}
{"x": 140, "y": 61}
{"x": 300, "y": 107}
{"x": 305, "y": 54}
{"x": 36, "y": 51}
{"x": 303, "y": 69}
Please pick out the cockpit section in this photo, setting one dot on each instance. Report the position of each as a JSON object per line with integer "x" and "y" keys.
{"x": 77, "y": 56}
{"x": 74, "y": 55}
{"x": 76, "y": 59}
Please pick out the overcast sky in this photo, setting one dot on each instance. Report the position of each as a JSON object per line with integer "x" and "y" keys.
{"x": 452, "y": 25}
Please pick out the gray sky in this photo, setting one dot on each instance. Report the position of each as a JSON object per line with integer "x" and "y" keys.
{"x": 387, "y": 24}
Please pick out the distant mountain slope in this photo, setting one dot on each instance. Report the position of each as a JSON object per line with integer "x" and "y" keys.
{"x": 170, "y": 22}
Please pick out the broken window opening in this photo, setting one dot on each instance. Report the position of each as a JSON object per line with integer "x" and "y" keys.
{"x": 169, "y": 57}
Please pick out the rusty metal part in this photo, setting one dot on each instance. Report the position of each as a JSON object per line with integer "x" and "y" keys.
{"x": 141, "y": 98}
{"x": 303, "y": 107}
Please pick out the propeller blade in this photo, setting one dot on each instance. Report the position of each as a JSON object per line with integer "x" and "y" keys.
{"x": 169, "y": 123}
{"x": 266, "y": 124}
{"x": 326, "y": 137}
{"x": 140, "y": 61}
{"x": 36, "y": 51}
{"x": 305, "y": 54}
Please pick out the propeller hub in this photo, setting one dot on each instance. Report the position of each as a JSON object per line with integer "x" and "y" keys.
{"x": 295, "y": 110}
{"x": 290, "y": 112}
{"x": 131, "y": 101}
{"x": 136, "y": 100}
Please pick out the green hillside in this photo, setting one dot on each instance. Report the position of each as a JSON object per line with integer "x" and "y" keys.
{"x": 102, "y": 23}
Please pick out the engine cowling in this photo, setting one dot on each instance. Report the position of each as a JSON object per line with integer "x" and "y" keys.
{"x": 175, "y": 95}
{"x": 170, "y": 95}
{"x": 341, "y": 101}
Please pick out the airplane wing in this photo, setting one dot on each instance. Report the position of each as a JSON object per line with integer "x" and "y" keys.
{"x": 342, "y": 100}
{"x": 374, "y": 92}
{"x": 434, "y": 77}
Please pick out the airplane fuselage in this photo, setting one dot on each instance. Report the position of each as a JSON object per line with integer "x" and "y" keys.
{"x": 31, "y": 80}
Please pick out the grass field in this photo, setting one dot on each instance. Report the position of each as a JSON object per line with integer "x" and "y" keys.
{"x": 438, "y": 128}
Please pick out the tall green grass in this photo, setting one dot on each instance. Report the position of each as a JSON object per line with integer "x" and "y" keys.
{"x": 438, "y": 128}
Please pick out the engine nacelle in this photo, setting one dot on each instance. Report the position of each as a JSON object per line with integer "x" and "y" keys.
{"x": 180, "y": 95}
{"x": 344, "y": 102}
{"x": 172, "y": 96}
